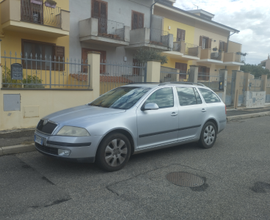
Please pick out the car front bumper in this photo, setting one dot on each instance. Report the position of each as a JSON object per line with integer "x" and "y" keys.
{"x": 81, "y": 149}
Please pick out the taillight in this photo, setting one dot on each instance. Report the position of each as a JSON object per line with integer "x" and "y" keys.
{"x": 225, "y": 110}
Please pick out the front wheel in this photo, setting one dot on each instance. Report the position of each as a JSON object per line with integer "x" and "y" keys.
{"x": 208, "y": 135}
{"x": 113, "y": 152}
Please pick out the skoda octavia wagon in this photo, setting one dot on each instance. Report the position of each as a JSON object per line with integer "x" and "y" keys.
{"x": 131, "y": 119}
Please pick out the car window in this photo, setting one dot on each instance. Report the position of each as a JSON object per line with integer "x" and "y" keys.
{"x": 198, "y": 97}
{"x": 187, "y": 96}
{"x": 162, "y": 97}
{"x": 120, "y": 98}
{"x": 209, "y": 96}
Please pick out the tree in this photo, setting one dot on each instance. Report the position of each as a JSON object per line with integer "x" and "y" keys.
{"x": 256, "y": 70}
{"x": 143, "y": 55}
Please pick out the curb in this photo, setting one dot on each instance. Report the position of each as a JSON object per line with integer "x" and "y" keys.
{"x": 17, "y": 149}
{"x": 245, "y": 116}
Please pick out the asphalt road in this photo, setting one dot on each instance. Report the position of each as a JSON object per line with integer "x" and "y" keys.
{"x": 236, "y": 173}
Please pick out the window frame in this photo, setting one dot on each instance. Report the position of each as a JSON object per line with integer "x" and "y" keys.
{"x": 219, "y": 99}
{"x": 36, "y": 64}
{"x": 132, "y": 17}
{"x": 173, "y": 96}
{"x": 194, "y": 92}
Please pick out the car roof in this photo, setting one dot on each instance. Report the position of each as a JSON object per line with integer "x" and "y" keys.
{"x": 153, "y": 85}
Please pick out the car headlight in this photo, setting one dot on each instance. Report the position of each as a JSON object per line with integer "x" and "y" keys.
{"x": 73, "y": 131}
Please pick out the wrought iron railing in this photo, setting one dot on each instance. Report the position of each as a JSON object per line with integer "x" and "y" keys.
{"x": 37, "y": 72}
{"x": 113, "y": 75}
{"x": 111, "y": 29}
{"x": 209, "y": 80}
{"x": 159, "y": 37}
{"x": 168, "y": 74}
{"x": 40, "y": 14}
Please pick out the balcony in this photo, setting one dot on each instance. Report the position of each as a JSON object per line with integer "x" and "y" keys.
{"x": 234, "y": 59}
{"x": 103, "y": 31}
{"x": 211, "y": 57}
{"x": 151, "y": 38}
{"x": 34, "y": 18}
{"x": 183, "y": 50}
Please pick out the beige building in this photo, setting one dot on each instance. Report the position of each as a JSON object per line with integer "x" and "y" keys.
{"x": 200, "y": 41}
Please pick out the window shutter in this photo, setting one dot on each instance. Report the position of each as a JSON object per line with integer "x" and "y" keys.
{"x": 209, "y": 43}
{"x": 95, "y": 9}
{"x": 225, "y": 47}
{"x": 60, "y": 56}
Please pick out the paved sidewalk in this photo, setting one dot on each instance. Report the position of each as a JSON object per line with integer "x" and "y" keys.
{"x": 19, "y": 141}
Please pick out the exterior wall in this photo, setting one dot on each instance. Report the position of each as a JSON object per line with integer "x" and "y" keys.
{"x": 36, "y": 104}
{"x": 172, "y": 25}
{"x": 234, "y": 47}
{"x": 118, "y": 11}
{"x": 213, "y": 33}
{"x": 254, "y": 99}
{"x": 11, "y": 40}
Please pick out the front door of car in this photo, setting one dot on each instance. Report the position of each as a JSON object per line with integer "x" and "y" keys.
{"x": 160, "y": 126}
{"x": 192, "y": 113}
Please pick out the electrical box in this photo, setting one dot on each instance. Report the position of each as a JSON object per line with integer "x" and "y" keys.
{"x": 12, "y": 102}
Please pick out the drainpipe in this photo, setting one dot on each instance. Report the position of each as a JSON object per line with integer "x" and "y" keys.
{"x": 151, "y": 13}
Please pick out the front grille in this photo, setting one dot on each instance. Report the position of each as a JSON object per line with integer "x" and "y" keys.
{"x": 47, "y": 128}
{"x": 49, "y": 150}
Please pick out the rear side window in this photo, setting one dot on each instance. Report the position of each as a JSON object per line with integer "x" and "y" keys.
{"x": 162, "y": 97}
{"x": 188, "y": 96}
{"x": 209, "y": 96}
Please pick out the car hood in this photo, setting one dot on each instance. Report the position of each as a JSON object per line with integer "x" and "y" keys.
{"x": 81, "y": 113}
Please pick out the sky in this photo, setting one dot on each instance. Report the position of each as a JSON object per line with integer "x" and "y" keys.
{"x": 250, "y": 17}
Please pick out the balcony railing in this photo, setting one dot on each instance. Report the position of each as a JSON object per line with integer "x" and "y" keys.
{"x": 159, "y": 37}
{"x": 191, "y": 50}
{"x": 111, "y": 29}
{"x": 234, "y": 57}
{"x": 40, "y": 14}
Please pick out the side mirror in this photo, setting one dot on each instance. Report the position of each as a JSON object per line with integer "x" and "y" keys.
{"x": 150, "y": 106}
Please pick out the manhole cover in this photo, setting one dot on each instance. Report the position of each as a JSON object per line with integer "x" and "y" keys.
{"x": 184, "y": 179}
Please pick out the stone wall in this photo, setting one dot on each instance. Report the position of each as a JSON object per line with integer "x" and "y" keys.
{"x": 254, "y": 99}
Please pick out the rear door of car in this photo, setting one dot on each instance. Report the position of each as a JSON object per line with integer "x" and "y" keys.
{"x": 191, "y": 114}
{"x": 158, "y": 127}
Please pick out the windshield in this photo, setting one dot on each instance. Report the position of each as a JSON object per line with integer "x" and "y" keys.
{"x": 120, "y": 98}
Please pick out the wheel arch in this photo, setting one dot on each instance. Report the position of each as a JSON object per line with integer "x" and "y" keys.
{"x": 122, "y": 131}
{"x": 213, "y": 121}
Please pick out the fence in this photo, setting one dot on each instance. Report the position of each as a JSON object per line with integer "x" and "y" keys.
{"x": 172, "y": 75}
{"x": 209, "y": 80}
{"x": 267, "y": 98}
{"x": 115, "y": 74}
{"x": 110, "y": 29}
{"x": 255, "y": 85}
{"x": 36, "y": 72}
{"x": 40, "y": 14}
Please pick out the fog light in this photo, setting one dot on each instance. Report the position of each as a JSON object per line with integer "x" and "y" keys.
{"x": 62, "y": 152}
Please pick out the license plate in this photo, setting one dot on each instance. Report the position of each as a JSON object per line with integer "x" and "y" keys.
{"x": 38, "y": 140}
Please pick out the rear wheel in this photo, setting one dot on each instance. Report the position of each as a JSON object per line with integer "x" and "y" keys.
{"x": 208, "y": 135}
{"x": 113, "y": 152}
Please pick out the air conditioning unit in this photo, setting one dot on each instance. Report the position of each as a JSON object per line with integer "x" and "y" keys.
{"x": 214, "y": 55}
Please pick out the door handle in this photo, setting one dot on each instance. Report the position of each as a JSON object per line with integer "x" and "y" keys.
{"x": 203, "y": 110}
{"x": 174, "y": 114}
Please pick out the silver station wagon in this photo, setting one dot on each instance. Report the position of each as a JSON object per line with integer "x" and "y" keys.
{"x": 131, "y": 119}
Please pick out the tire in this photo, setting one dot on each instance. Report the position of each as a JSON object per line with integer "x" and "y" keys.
{"x": 208, "y": 135}
{"x": 113, "y": 152}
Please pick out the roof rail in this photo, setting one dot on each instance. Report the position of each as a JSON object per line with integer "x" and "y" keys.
{"x": 187, "y": 83}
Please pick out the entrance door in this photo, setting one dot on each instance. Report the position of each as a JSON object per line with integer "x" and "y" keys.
{"x": 183, "y": 69}
{"x": 100, "y": 11}
{"x": 102, "y": 59}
